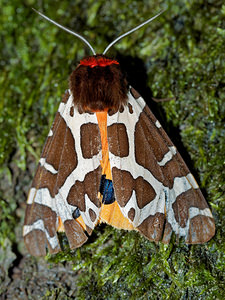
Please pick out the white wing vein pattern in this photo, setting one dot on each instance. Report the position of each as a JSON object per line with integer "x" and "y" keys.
{"x": 165, "y": 197}
{"x": 59, "y": 204}
{"x": 84, "y": 165}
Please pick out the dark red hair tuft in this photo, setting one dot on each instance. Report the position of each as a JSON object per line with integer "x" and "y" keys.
{"x": 100, "y": 61}
{"x": 95, "y": 87}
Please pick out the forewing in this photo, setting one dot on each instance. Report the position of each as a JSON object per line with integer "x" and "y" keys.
{"x": 66, "y": 182}
{"x": 153, "y": 185}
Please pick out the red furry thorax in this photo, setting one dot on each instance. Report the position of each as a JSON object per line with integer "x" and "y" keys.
{"x": 94, "y": 61}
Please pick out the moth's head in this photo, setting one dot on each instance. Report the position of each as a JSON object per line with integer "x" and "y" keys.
{"x": 98, "y": 83}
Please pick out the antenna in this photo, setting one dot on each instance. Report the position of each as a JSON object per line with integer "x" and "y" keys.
{"x": 66, "y": 29}
{"x": 132, "y": 30}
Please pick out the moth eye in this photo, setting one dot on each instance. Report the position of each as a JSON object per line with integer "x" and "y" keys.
{"x": 76, "y": 213}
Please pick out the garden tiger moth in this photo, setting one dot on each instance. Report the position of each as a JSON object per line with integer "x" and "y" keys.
{"x": 107, "y": 159}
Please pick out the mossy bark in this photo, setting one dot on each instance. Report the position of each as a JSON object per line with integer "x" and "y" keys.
{"x": 180, "y": 55}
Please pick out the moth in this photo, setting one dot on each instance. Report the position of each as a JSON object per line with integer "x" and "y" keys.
{"x": 107, "y": 159}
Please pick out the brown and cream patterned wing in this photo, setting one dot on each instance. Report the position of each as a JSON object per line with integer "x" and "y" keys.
{"x": 153, "y": 186}
{"x": 66, "y": 182}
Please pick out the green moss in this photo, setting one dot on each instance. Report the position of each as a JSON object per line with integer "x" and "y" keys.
{"x": 184, "y": 54}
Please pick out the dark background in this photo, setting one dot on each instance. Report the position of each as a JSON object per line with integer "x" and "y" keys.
{"x": 180, "y": 55}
